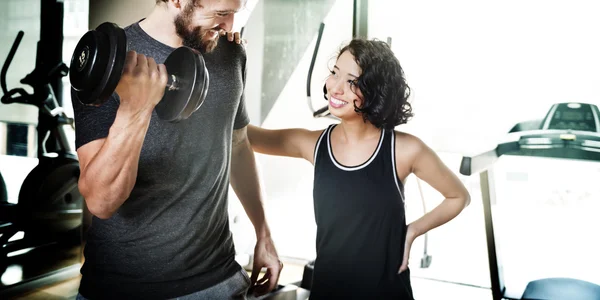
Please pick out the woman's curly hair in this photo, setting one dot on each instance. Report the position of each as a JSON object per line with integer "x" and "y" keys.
{"x": 382, "y": 83}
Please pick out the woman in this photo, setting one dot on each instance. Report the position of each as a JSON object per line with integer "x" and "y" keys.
{"x": 361, "y": 165}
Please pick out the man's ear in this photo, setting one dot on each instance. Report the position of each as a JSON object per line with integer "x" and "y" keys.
{"x": 176, "y": 3}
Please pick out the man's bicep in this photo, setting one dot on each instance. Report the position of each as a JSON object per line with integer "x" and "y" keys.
{"x": 91, "y": 122}
{"x": 241, "y": 116}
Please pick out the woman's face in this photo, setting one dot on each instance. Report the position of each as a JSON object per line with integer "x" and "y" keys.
{"x": 342, "y": 91}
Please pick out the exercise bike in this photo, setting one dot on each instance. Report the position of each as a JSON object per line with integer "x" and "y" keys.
{"x": 49, "y": 207}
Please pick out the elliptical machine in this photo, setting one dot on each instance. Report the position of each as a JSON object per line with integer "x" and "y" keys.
{"x": 49, "y": 208}
{"x": 3, "y": 191}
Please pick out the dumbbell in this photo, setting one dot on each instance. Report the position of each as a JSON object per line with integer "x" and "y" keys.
{"x": 97, "y": 65}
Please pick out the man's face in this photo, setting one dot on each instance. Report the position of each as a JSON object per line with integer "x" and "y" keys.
{"x": 199, "y": 22}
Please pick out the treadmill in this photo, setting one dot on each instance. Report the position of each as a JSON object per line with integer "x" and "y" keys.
{"x": 568, "y": 134}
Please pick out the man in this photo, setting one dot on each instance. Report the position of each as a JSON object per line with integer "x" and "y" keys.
{"x": 158, "y": 190}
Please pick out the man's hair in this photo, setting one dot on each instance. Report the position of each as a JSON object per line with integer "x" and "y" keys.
{"x": 195, "y": 1}
{"x": 382, "y": 83}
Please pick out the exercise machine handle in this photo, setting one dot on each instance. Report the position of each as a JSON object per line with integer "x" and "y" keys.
{"x": 314, "y": 58}
{"x": 8, "y": 97}
{"x": 9, "y": 58}
{"x": 43, "y": 96}
{"x": 23, "y": 96}
{"x": 38, "y": 77}
{"x": 323, "y": 111}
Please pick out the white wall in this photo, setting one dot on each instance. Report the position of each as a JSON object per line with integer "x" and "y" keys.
{"x": 252, "y": 17}
{"x": 478, "y": 67}
{"x": 287, "y": 183}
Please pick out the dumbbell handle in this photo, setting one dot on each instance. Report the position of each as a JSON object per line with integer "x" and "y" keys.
{"x": 173, "y": 83}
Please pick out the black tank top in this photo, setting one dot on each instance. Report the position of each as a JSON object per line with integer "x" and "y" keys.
{"x": 361, "y": 225}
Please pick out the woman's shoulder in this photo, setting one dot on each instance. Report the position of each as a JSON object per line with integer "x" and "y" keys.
{"x": 406, "y": 138}
{"x": 408, "y": 143}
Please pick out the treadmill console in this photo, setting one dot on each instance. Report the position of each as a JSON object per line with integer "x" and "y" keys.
{"x": 573, "y": 116}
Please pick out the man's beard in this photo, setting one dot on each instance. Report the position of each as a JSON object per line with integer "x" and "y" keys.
{"x": 193, "y": 38}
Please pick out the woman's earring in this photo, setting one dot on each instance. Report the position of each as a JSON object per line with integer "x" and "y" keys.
{"x": 325, "y": 92}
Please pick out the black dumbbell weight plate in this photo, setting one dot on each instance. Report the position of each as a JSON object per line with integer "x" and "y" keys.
{"x": 199, "y": 94}
{"x": 97, "y": 64}
{"x": 186, "y": 93}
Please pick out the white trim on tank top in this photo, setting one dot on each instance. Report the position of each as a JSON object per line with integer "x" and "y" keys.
{"x": 394, "y": 165}
{"x": 358, "y": 167}
{"x": 316, "y": 151}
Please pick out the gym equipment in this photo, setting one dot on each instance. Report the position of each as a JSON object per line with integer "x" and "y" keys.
{"x": 97, "y": 65}
{"x": 425, "y": 258}
{"x": 323, "y": 111}
{"x": 570, "y": 130}
{"x": 286, "y": 292}
{"x": 49, "y": 200}
{"x": 3, "y": 191}
{"x": 307, "y": 275}
{"x": 49, "y": 207}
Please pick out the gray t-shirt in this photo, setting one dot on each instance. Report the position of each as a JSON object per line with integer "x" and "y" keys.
{"x": 171, "y": 237}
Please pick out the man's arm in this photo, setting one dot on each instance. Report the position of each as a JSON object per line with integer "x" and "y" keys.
{"x": 244, "y": 181}
{"x": 109, "y": 165}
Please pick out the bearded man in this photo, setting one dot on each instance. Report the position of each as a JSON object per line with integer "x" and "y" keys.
{"x": 158, "y": 190}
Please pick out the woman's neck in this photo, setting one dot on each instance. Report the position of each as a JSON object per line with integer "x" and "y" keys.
{"x": 356, "y": 131}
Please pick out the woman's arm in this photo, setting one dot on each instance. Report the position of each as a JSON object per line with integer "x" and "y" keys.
{"x": 293, "y": 142}
{"x": 427, "y": 166}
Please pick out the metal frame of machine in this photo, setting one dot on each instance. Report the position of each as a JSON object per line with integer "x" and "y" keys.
{"x": 569, "y": 130}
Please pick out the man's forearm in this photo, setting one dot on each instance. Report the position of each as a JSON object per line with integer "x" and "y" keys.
{"x": 109, "y": 177}
{"x": 244, "y": 181}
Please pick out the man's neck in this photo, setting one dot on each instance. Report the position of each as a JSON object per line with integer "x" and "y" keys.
{"x": 160, "y": 25}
